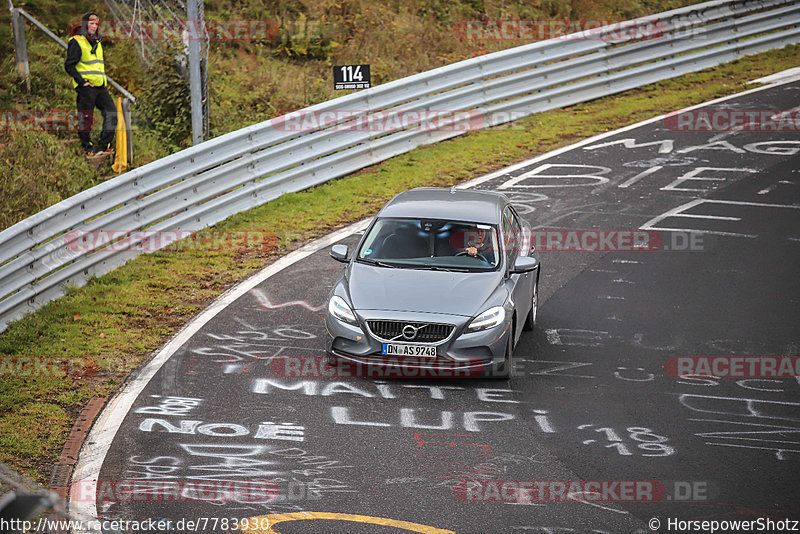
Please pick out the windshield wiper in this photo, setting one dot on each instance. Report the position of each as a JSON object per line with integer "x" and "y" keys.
{"x": 440, "y": 268}
{"x": 376, "y": 262}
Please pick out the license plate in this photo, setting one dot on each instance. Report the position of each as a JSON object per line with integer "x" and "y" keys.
{"x": 395, "y": 349}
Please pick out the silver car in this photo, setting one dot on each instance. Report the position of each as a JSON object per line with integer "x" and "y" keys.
{"x": 442, "y": 284}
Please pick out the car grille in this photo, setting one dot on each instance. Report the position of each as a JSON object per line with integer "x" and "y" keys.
{"x": 426, "y": 332}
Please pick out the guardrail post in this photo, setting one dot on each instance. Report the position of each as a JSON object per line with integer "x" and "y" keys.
{"x": 20, "y": 48}
{"x": 126, "y": 115}
{"x": 194, "y": 32}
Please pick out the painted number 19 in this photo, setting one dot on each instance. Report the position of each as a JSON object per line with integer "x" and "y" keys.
{"x": 646, "y": 440}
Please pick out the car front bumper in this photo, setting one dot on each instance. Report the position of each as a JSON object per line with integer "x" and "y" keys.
{"x": 461, "y": 355}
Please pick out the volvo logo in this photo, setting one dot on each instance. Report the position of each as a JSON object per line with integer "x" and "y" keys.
{"x": 410, "y": 331}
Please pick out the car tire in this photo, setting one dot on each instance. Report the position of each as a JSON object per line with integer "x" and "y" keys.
{"x": 505, "y": 370}
{"x": 508, "y": 361}
{"x": 530, "y": 320}
{"x": 510, "y": 356}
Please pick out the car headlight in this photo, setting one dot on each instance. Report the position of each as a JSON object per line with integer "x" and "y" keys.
{"x": 488, "y": 319}
{"x": 339, "y": 309}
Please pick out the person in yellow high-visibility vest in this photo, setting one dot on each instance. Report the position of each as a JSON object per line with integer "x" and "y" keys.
{"x": 86, "y": 65}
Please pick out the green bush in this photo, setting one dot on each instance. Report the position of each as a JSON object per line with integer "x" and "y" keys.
{"x": 165, "y": 103}
{"x": 303, "y": 39}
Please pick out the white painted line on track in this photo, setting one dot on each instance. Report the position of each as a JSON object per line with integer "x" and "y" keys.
{"x": 639, "y": 176}
{"x": 757, "y": 204}
{"x": 678, "y": 212}
{"x": 696, "y": 231}
{"x": 778, "y": 116}
{"x": 598, "y": 137}
{"x": 785, "y": 76}
{"x": 106, "y": 426}
{"x": 714, "y": 217}
{"x": 657, "y": 219}
{"x": 108, "y": 423}
{"x": 767, "y": 189}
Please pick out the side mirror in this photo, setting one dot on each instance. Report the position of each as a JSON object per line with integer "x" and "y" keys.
{"x": 525, "y": 264}
{"x": 339, "y": 253}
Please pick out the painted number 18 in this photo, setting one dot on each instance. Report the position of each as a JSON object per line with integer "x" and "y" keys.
{"x": 645, "y": 438}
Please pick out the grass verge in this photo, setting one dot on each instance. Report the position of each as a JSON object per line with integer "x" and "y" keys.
{"x": 86, "y": 343}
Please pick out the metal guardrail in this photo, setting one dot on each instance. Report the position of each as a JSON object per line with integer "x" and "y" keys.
{"x": 205, "y": 184}
{"x": 22, "y": 499}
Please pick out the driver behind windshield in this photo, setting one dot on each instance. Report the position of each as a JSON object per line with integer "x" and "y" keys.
{"x": 475, "y": 242}
{"x": 430, "y": 243}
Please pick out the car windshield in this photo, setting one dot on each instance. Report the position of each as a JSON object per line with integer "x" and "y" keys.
{"x": 431, "y": 244}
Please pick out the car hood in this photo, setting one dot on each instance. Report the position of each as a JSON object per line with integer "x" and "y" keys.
{"x": 454, "y": 293}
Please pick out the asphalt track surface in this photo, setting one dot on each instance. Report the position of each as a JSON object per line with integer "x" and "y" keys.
{"x": 594, "y": 400}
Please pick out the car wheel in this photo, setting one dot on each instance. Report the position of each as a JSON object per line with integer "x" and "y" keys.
{"x": 510, "y": 356}
{"x": 505, "y": 370}
{"x": 508, "y": 361}
{"x": 530, "y": 320}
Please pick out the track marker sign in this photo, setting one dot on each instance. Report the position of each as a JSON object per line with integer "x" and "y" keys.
{"x": 351, "y": 77}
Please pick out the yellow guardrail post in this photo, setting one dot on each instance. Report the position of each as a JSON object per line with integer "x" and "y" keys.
{"x": 121, "y": 152}
{"x": 126, "y": 112}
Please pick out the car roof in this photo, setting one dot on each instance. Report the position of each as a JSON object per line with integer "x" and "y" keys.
{"x": 451, "y": 204}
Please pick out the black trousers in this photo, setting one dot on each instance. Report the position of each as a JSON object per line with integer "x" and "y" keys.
{"x": 88, "y": 99}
